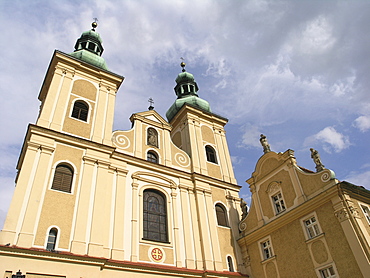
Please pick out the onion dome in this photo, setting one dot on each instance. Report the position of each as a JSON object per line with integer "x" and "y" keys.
{"x": 89, "y": 48}
{"x": 187, "y": 93}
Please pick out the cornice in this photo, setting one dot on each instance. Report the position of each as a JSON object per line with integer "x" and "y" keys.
{"x": 148, "y": 268}
{"x": 289, "y": 216}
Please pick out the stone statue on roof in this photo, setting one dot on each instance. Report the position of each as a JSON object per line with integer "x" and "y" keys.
{"x": 316, "y": 158}
{"x": 265, "y": 144}
{"x": 244, "y": 207}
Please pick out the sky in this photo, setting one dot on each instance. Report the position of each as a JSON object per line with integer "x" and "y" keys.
{"x": 297, "y": 71}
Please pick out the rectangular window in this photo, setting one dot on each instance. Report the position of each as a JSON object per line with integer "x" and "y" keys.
{"x": 327, "y": 272}
{"x": 266, "y": 249}
{"x": 366, "y": 211}
{"x": 278, "y": 203}
{"x": 312, "y": 227}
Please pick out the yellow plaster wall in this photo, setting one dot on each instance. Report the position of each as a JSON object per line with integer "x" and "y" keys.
{"x": 251, "y": 220}
{"x": 176, "y": 139}
{"x": 207, "y": 134}
{"x": 268, "y": 165}
{"x": 255, "y": 260}
{"x": 214, "y": 170}
{"x": 226, "y": 244}
{"x": 218, "y": 194}
{"x": 84, "y": 89}
{"x": 337, "y": 243}
{"x": 58, "y": 206}
{"x": 311, "y": 183}
{"x": 293, "y": 257}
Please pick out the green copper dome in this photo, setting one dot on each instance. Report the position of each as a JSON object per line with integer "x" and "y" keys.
{"x": 187, "y": 93}
{"x": 89, "y": 48}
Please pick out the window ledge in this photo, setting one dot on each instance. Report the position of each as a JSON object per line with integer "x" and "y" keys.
{"x": 269, "y": 259}
{"x": 315, "y": 238}
{"x": 227, "y": 227}
{"x": 152, "y": 241}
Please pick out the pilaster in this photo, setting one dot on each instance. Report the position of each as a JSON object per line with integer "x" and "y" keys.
{"x": 83, "y": 216}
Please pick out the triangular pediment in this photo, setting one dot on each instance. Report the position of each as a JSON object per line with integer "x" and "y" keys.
{"x": 150, "y": 117}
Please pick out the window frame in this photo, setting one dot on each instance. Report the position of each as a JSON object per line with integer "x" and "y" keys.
{"x": 71, "y": 167}
{"x": 268, "y": 247}
{"x": 279, "y": 202}
{"x": 73, "y": 109}
{"x": 157, "y": 214}
{"x": 314, "y": 227}
{"x": 56, "y": 238}
{"x": 153, "y": 153}
{"x": 320, "y": 271}
{"x": 221, "y": 218}
{"x": 211, "y": 155}
{"x": 230, "y": 263}
{"x": 365, "y": 211}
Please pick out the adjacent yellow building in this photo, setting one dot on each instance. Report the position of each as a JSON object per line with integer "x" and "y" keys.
{"x": 303, "y": 223}
{"x": 161, "y": 199}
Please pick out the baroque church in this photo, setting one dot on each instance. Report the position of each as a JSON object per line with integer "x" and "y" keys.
{"x": 161, "y": 199}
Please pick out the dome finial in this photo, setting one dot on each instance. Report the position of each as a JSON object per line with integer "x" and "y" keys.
{"x": 94, "y": 24}
{"x": 183, "y": 64}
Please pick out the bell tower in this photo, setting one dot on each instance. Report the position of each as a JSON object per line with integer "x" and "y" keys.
{"x": 77, "y": 107}
{"x": 198, "y": 131}
{"x": 78, "y": 93}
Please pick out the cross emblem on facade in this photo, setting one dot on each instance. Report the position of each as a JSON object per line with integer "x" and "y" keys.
{"x": 157, "y": 254}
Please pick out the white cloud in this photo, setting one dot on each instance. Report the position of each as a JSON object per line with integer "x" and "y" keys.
{"x": 317, "y": 36}
{"x": 330, "y": 139}
{"x": 362, "y": 123}
{"x": 250, "y": 137}
{"x": 360, "y": 177}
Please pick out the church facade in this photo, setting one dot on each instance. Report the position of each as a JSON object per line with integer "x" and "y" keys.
{"x": 157, "y": 200}
{"x": 161, "y": 199}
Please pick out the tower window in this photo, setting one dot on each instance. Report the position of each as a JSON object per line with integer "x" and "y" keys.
{"x": 52, "y": 239}
{"x": 155, "y": 216}
{"x": 221, "y": 215}
{"x": 63, "y": 178}
{"x": 211, "y": 154}
{"x": 91, "y": 46}
{"x": 152, "y": 157}
{"x": 185, "y": 89}
{"x": 230, "y": 264}
{"x": 80, "y": 110}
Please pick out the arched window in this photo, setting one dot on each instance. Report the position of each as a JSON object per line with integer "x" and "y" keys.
{"x": 152, "y": 157}
{"x": 80, "y": 110}
{"x": 52, "y": 239}
{"x": 63, "y": 178}
{"x": 221, "y": 215}
{"x": 152, "y": 137}
{"x": 230, "y": 264}
{"x": 211, "y": 154}
{"x": 155, "y": 216}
